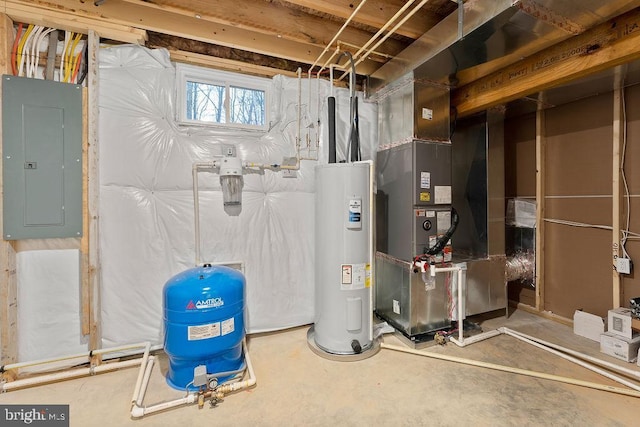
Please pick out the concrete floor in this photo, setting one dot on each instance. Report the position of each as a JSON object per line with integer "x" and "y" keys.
{"x": 298, "y": 388}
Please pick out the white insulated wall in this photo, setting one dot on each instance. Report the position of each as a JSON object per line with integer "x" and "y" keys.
{"x": 146, "y": 202}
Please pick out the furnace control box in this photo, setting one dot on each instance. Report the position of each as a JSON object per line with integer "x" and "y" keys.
{"x": 414, "y": 197}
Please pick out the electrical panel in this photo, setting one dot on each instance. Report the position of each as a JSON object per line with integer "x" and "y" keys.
{"x": 42, "y": 158}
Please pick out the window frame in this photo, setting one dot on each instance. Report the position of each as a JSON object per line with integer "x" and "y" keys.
{"x": 190, "y": 73}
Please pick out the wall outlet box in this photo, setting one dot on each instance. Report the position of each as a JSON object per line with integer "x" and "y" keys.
{"x": 623, "y": 265}
{"x": 619, "y": 347}
{"x": 619, "y": 322}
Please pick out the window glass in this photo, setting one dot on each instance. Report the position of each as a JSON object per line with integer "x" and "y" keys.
{"x": 218, "y": 98}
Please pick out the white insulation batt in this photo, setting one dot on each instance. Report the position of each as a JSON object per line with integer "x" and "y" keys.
{"x": 146, "y": 200}
{"x": 49, "y": 304}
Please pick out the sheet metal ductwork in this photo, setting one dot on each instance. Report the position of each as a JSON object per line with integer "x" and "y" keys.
{"x": 412, "y": 91}
{"x": 495, "y": 33}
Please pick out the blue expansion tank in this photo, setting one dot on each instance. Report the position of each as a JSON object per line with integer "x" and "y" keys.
{"x": 203, "y": 322}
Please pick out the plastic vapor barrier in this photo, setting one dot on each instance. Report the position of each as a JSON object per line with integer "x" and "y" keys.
{"x": 146, "y": 200}
{"x": 48, "y": 304}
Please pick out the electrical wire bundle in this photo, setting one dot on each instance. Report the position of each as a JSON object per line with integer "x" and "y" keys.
{"x": 25, "y": 53}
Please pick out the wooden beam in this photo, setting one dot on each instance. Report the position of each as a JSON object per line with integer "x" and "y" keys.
{"x": 93, "y": 191}
{"x": 202, "y": 53}
{"x": 271, "y": 39}
{"x": 616, "y": 208}
{"x": 546, "y": 314}
{"x": 270, "y": 18}
{"x": 375, "y": 13}
{"x": 85, "y": 294}
{"x": 53, "y": 17}
{"x": 8, "y": 279}
{"x": 226, "y": 64}
{"x": 540, "y": 203}
{"x": 612, "y": 43}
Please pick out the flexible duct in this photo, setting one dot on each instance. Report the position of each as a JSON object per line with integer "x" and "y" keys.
{"x": 521, "y": 266}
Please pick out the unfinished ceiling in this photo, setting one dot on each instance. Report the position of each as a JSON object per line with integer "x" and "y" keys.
{"x": 277, "y": 35}
{"x": 268, "y": 37}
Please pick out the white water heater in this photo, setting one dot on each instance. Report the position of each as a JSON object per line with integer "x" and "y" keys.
{"x": 343, "y": 258}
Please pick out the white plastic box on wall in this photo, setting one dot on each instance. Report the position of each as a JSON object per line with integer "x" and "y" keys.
{"x": 619, "y": 322}
{"x": 620, "y": 347}
{"x": 521, "y": 213}
{"x": 588, "y": 325}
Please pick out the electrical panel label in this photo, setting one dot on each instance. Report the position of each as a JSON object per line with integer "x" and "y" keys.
{"x": 228, "y": 326}
{"x": 431, "y": 214}
{"x": 421, "y": 212}
{"x": 425, "y": 196}
{"x": 202, "y": 332}
{"x": 425, "y": 180}
{"x": 442, "y": 194}
{"x": 355, "y": 214}
{"x": 355, "y": 276}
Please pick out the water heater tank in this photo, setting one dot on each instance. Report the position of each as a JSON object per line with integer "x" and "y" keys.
{"x": 203, "y": 322}
{"x": 343, "y": 255}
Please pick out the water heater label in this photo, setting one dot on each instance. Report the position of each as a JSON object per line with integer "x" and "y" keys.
{"x": 355, "y": 276}
{"x": 347, "y": 273}
{"x": 355, "y": 214}
{"x": 203, "y": 332}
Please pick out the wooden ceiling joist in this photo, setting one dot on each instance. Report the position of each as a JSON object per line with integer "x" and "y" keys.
{"x": 262, "y": 39}
{"x": 605, "y": 46}
{"x": 196, "y": 52}
{"x": 226, "y": 64}
{"x": 261, "y": 17}
{"x": 375, "y": 13}
{"x": 21, "y": 12}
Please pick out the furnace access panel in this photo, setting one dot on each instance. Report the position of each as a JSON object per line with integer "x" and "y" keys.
{"x": 414, "y": 197}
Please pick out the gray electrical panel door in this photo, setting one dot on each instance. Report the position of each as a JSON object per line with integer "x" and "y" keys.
{"x": 42, "y": 158}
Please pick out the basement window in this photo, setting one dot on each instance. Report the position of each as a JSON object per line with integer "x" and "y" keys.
{"x": 217, "y": 98}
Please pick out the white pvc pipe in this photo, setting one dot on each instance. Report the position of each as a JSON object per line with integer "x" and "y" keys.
{"x": 459, "y": 268}
{"x": 475, "y": 338}
{"x": 250, "y": 382}
{"x": 145, "y": 358}
{"x": 196, "y": 202}
{"x": 355, "y": 11}
{"x": 138, "y": 411}
{"x": 384, "y": 27}
{"x": 64, "y": 375}
{"x": 145, "y": 382}
{"x": 386, "y": 36}
{"x": 574, "y": 360}
{"x": 604, "y": 363}
{"x": 87, "y": 354}
{"x": 502, "y": 368}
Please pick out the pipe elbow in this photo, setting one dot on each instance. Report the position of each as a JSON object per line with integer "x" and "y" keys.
{"x": 137, "y": 411}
